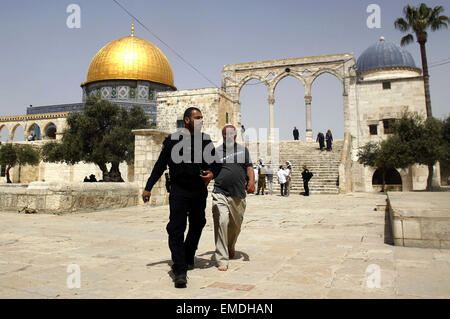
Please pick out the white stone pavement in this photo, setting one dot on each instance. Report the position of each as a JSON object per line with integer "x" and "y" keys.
{"x": 322, "y": 246}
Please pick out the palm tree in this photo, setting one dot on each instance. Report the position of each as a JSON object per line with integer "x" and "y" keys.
{"x": 419, "y": 19}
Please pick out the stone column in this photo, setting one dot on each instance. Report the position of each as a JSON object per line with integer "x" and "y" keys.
{"x": 271, "y": 101}
{"x": 308, "y": 99}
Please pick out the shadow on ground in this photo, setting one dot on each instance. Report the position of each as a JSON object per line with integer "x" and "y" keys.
{"x": 204, "y": 263}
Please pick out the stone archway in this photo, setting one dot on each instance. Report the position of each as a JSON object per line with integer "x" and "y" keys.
{"x": 13, "y": 130}
{"x": 50, "y": 131}
{"x": 4, "y": 133}
{"x": 393, "y": 179}
{"x": 307, "y": 69}
{"x": 34, "y": 129}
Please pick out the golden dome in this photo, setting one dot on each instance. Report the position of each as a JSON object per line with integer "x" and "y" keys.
{"x": 130, "y": 58}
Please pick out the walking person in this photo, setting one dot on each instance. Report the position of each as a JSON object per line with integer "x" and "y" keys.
{"x": 295, "y": 133}
{"x": 329, "y": 139}
{"x": 189, "y": 179}
{"x": 269, "y": 177}
{"x": 235, "y": 178}
{"x": 306, "y": 176}
{"x": 320, "y": 138}
{"x": 288, "y": 178}
{"x": 281, "y": 174}
{"x": 262, "y": 172}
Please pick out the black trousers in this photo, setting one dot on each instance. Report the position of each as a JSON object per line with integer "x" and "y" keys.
{"x": 185, "y": 204}
{"x": 306, "y": 187}
{"x": 283, "y": 186}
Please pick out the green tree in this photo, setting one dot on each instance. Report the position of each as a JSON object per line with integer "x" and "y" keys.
{"x": 415, "y": 141}
{"x": 419, "y": 20}
{"x": 446, "y": 137}
{"x": 101, "y": 135}
{"x": 445, "y": 163}
{"x": 385, "y": 155}
{"x": 17, "y": 154}
{"x": 424, "y": 140}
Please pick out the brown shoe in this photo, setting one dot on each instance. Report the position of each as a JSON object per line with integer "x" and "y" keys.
{"x": 231, "y": 253}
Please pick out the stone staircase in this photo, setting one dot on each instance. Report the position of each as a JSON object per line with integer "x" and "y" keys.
{"x": 323, "y": 164}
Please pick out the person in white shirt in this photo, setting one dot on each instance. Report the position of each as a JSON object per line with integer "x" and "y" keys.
{"x": 282, "y": 179}
{"x": 287, "y": 188}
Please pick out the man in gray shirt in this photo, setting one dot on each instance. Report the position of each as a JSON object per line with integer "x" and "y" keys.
{"x": 236, "y": 177}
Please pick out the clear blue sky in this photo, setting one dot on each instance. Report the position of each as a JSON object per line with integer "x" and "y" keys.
{"x": 43, "y": 62}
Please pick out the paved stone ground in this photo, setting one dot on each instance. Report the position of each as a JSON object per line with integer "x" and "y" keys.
{"x": 295, "y": 247}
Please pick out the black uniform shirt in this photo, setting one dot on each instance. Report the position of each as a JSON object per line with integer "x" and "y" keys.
{"x": 185, "y": 163}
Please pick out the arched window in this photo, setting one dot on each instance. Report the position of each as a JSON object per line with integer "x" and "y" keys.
{"x": 50, "y": 131}
{"x": 34, "y": 133}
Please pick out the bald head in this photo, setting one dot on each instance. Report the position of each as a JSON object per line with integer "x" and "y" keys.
{"x": 229, "y": 134}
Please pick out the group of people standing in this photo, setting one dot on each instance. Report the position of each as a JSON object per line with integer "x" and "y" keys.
{"x": 321, "y": 139}
{"x": 328, "y": 138}
{"x": 284, "y": 175}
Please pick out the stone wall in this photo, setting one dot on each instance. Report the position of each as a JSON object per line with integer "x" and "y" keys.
{"x": 148, "y": 144}
{"x": 420, "y": 219}
{"x": 214, "y": 104}
{"x": 61, "y": 198}
{"x": 63, "y": 173}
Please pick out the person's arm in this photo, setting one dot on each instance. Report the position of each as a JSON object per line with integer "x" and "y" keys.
{"x": 158, "y": 169}
{"x": 211, "y": 170}
{"x": 251, "y": 180}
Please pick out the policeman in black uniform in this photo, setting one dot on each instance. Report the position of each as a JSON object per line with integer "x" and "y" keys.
{"x": 190, "y": 174}
{"x": 306, "y": 176}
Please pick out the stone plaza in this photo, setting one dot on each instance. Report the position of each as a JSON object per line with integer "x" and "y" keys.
{"x": 323, "y": 246}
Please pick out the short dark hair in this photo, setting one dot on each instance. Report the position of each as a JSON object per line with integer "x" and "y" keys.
{"x": 189, "y": 110}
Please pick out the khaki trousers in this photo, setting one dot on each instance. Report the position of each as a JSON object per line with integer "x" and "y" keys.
{"x": 228, "y": 214}
{"x": 261, "y": 183}
{"x": 288, "y": 187}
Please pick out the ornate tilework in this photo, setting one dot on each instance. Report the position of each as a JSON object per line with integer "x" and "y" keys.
{"x": 142, "y": 92}
{"x": 123, "y": 92}
{"x": 106, "y": 92}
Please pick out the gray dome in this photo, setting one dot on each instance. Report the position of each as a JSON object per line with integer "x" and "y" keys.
{"x": 384, "y": 55}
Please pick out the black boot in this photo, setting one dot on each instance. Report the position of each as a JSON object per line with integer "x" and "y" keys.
{"x": 180, "y": 280}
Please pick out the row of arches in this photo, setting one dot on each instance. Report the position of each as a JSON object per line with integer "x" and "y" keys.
{"x": 289, "y": 96}
{"x": 306, "y": 82}
{"x": 18, "y": 132}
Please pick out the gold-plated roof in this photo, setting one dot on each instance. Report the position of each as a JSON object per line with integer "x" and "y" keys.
{"x": 130, "y": 58}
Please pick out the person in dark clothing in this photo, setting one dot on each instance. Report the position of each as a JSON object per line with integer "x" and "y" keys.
{"x": 306, "y": 176}
{"x": 92, "y": 178}
{"x": 190, "y": 173}
{"x": 295, "y": 133}
{"x": 320, "y": 138}
{"x": 329, "y": 139}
